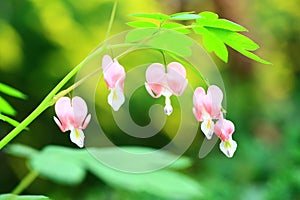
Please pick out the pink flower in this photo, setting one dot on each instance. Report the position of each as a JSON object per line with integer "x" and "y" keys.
{"x": 207, "y": 107}
{"x": 224, "y": 130}
{"x": 114, "y": 76}
{"x": 166, "y": 81}
{"x": 72, "y": 116}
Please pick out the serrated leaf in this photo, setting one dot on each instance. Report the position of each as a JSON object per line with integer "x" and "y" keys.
{"x": 20, "y": 150}
{"x": 139, "y": 34}
{"x": 142, "y": 24}
{"x": 157, "y": 16}
{"x": 22, "y": 197}
{"x": 212, "y": 43}
{"x": 238, "y": 42}
{"x": 234, "y": 40}
{"x": 6, "y": 108}
{"x": 8, "y": 90}
{"x": 185, "y": 16}
{"x": 177, "y": 27}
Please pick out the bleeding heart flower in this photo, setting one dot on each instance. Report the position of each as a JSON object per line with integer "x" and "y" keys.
{"x": 166, "y": 81}
{"x": 72, "y": 116}
{"x": 224, "y": 130}
{"x": 114, "y": 76}
{"x": 207, "y": 107}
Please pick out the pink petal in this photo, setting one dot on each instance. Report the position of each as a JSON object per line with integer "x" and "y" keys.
{"x": 113, "y": 73}
{"x": 176, "y": 66}
{"x": 106, "y": 62}
{"x": 216, "y": 96}
{"x": 79, "y": 111}
{"x": 59, "y": 124}
{"x": 224, "y": 129}
{"x": 156, "y": 88}
{"x": 64, "y": 112}
{"x": 176, "y": 82}
{"x": 198, "y": 98}
{"x": 86, "y": 121}
{"x": 155, "y": 74}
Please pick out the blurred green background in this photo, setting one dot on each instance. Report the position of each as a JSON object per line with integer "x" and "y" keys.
{"x": 41, "y": 41}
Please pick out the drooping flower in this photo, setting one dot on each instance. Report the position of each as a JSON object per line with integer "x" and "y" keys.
{"x": 224, "y": 130}
{"x": 207, "y": 107}
{"x": 208, "y": 110}
{"x": 72, "y": 116}
{"x": 166, "y": 82}
{"x": 114, "y": 76}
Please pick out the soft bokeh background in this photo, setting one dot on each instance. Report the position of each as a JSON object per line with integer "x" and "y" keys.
{"x": 41, "y": 41}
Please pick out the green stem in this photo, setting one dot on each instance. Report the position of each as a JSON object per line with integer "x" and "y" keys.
{"x": 111, "y": 21}
{"x": 9, "y": 120}
{"x": 26, "y": 181}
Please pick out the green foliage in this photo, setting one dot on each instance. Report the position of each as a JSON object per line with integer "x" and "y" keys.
{"x": 140, "y": 34}
{"x": 156, "y": 16}
{"x": 68, "y": 166}
{"x": 142, "y": 24}
{"x": 216, "y": 33}
{"x": 11, "y": 91}
{"x": 22, "y": 197}
{"x": 5, "y": 107}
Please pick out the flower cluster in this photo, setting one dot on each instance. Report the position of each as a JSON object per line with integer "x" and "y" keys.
{"x": 160, "y": 81}
{"x": 208, "y": 110}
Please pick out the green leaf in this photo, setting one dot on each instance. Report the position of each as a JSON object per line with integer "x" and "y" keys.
{"x": 210, "y": 19}
{"x": 6, "y": 108}
{"x": 139, "y": 34}
{"x": 11, "y": 91}
{"x": 234, "y": 40}
{"x": 239, "y": 43}
{"x": 163, "y": 183}
{"x": 21, "y": 150}
{"x": 160, "y": 156}
{"x": 22, "y": 197}
{"x": 157, "y": 16}
{"x": 208, "y": 15}
{"x": 222, "y": 24}
{"x": 59, "y": 164}
{"x": 184, "y": 16}
{"x": 142, "y": 24}
{"x": 214, "y": 40}
{"x": 213, "y": 44}
{"x": 68, "y": 166}
{"x": 176, "y": 27}
{"x": 172, "y": 41}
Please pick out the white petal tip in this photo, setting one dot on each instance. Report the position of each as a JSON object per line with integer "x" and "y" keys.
{"x": 228, "y": 147}
{"x": 168, "y": 110}
{"x": 116, "y": 99}
{"x": 77, "y": 137}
